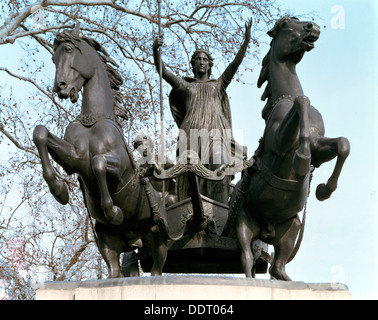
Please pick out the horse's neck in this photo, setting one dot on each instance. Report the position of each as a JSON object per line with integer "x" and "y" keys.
{"x": 97, "y": 95}
{"x": 284, "y": 79}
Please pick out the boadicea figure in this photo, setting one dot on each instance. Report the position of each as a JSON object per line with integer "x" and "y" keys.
{"x": 94, "y": 147}
{"x": 201, "y": 110}
{"x": 274, "y": 190}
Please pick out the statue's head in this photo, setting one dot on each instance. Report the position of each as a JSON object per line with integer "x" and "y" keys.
{"x": 144, "y": 145}
{"x": 203, "y": 55}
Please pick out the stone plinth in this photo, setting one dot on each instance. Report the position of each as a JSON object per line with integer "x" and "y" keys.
{"x": 191, "y": 288}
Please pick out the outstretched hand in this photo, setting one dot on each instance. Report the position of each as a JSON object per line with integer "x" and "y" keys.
{"x": 158, "y": 42}
{"x": 248, "y": 26}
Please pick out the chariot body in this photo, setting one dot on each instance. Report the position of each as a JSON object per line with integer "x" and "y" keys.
{"x": 200, "y": 230}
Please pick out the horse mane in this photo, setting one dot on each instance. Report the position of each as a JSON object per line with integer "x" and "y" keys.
{"x": 264, "y": 73}
{"x": 114, "y": 76}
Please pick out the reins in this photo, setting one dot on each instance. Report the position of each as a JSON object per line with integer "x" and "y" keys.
{"x": 301, "y": 231}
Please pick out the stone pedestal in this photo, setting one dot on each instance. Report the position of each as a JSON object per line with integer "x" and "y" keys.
{"x": 190, "y": 287}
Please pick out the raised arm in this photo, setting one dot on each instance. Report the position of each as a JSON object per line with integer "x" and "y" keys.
{"x": 230, "y": 71}
{"x": 167, "y": 75}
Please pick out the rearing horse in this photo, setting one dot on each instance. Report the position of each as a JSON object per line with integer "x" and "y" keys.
{"x": 275, "y": 188}
{"x": 94, "y": 147}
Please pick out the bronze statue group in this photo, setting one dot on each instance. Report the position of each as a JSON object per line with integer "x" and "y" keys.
{"x": 126, "y": 205}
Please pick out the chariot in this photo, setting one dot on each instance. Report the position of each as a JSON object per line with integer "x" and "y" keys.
{"x": 197, "y": 234}
{"x": 200, "y": 230}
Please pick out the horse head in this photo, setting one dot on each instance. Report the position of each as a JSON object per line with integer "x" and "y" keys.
{"x": 292, "y": 38}
{"x": 77, "y": 59}
{"x": 73, "y": 61}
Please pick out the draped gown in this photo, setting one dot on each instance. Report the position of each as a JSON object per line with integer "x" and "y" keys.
{"x": 202, "y": 112}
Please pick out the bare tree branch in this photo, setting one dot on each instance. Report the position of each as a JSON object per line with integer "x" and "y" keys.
{"x": 16, "y": 142}
{"x": 55, "y": 237}
{"x": 14, "y": 22}
{"x": 12, "y": 39}
{"x": 47, "y": 45}
{"x": 74, "y": 259}
{"x": 36, "y": 85}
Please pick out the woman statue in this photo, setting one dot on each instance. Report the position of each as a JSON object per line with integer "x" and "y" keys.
{"x": 201, "y": 110}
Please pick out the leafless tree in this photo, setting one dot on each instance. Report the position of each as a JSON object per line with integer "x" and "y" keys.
{"x": 59, "y": 240}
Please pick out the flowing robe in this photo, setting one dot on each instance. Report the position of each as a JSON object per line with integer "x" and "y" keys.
{"x": 202, "y": 112}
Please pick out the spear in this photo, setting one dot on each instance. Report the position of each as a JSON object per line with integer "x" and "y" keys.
{"x": 161, "y": 78}
{"x": 161, "y": 98}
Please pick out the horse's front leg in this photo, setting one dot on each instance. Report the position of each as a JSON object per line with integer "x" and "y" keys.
{"x": 62, "y": 152}
{"x": 244, "y": 235}
{"x": 102, "y": 165}
{"x": 297, "y": 120}
{"x": 325, "y": 150}
{"x": 247, "y": 230}
{"x": 302, "y": 156}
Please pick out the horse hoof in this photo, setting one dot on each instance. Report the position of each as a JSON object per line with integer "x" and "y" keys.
{"x": 279, "y": 274}
{"x": 116, "y": 216}
{"x": 322, "y": 192}
{"x": 60, "y": 192}
{"x": 114, "y": 275}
